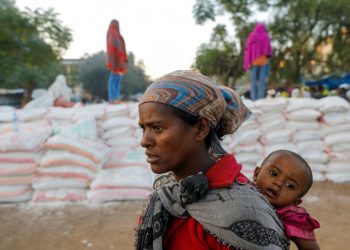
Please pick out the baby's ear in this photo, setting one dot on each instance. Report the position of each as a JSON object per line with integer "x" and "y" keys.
{"x": 256, "y": 173}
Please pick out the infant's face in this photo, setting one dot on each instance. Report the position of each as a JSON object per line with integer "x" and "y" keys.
{"x": 282, "y": 179}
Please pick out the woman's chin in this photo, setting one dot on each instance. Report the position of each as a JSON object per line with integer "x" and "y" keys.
{"x": 156, "y": 169}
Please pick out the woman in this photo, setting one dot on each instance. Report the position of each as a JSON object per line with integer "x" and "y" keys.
{"x": 117, "y": 60}
{"x": 201, "y": 200}
{"x": 257, "y": 51}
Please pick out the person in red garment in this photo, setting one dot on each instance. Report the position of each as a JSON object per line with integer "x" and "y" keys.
{"x": 201, "y": 200}
{"x": 117, "y": 61}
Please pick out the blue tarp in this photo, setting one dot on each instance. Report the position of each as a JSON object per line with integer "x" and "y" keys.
{"x": 331, "y": 81}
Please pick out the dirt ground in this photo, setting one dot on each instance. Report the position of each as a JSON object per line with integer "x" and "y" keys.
{"x": 111, "y": 226}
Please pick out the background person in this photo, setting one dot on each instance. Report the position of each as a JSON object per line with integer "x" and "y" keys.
{"x": 257, "y": 51}
{"x": 344, "y": 91}
{"x": 201, "y": 200}
{"x": 117, "y": 60}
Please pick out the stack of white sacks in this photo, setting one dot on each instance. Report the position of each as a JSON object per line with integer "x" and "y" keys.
{"x": 272, "y": 124}
{"x": 126, "y": 174}
{"x": 303, "y": 119}
{"x": 94, "y": 111}
{"x": 244, "y": 143}
{"x": 120, "y": 127}
{"x": 93, "y": 153}
{"x": 261, "y": 134}
{"x": 73, "y": 158}
{"x": 336, "y": 131}
{"x": 21, "y": 147}
{"x": 318, "y": 130}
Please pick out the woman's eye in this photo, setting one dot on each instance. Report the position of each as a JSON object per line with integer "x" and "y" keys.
{"x": 290, "y": 186}
{"x": 157, "y": 129}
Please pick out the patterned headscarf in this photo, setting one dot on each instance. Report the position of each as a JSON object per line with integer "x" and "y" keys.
{"x": 198, "y": 95}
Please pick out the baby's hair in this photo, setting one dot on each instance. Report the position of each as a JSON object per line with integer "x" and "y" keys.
{"x": 302, "y": 160}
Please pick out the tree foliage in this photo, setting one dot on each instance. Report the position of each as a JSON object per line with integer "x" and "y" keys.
{"x": 94, "y": 75}
{"x": 301, "y": 32}
{"x": 31, "y": 44}
{"x": 219, "y": 58}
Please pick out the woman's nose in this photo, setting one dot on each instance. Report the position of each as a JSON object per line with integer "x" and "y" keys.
{"x": 146, "y": 140}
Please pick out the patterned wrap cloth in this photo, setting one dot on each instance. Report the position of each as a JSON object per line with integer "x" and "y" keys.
{"x": 198, "y": 95}
{"x": 237, "y": 216}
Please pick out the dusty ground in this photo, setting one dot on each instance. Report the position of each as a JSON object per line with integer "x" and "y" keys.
{"x": 111, "y": 226}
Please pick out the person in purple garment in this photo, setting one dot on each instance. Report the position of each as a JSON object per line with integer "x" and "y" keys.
{"x": 256, "y": 54}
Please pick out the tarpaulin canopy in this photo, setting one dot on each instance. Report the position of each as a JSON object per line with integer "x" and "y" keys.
{"x": 331, "y": 81}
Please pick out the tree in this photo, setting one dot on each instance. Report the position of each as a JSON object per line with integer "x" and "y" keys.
{"x": 135, "y": 81}
{"x": 94, "y": 75}
{"x": 300, "y": 30}
{"x": 220, "y": 58}
{"x": 31, "y": 44}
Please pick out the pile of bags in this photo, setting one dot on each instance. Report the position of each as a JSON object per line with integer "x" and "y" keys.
{"x": 21, "y": 148}
{"x": 67, "y": 168}
{"x": 93, "y": 154}
{"x": 318, "y": 130}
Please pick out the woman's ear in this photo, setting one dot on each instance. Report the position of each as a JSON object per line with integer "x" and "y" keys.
{"x": 202, "y": 128}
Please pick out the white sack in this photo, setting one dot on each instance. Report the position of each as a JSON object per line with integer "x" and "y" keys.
{"x": 337, "y": 138}
{"x": 334, "y": 104}
{"x": 276, "y": 136}
{"x": 304, "y": 115}
{"x": 273, "y": 105}
{"x": 302, "y": 103}
{"x": 306, "y": 135}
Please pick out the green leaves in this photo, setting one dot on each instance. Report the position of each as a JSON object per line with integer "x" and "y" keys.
{"x": 94, "y": 75}
{"x": 310, "y": 38}
{"x": 31, "y": 44}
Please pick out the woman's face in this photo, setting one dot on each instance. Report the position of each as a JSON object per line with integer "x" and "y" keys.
{"x": 170, "y": 143}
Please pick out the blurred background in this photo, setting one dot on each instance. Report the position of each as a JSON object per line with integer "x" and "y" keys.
{"x": 41, "y": 39}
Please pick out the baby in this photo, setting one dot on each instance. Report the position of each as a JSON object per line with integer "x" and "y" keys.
{"x": 284, "y": 178}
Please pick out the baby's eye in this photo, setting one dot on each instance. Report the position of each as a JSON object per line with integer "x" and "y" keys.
{"x": 273, "y": 173}
{"x": 291, "y": 186}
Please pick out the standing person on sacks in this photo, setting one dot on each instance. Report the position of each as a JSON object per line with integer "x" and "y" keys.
{"x": 256, "y": 54}
{"x": 117, "y": 61}
{"x": 201, "y": 200}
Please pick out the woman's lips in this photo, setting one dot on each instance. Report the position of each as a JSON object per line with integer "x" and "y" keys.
{"x": 152, "y": 158}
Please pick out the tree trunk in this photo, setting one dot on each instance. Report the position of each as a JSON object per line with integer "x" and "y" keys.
{"x": 28, "y": 90}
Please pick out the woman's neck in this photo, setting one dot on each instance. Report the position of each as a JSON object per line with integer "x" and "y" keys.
{"x": 202, "y": 164}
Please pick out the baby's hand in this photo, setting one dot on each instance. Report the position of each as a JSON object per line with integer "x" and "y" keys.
{"x": 305, "y": 244}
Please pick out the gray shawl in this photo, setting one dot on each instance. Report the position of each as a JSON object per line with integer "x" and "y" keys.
{"x": 237, "y": 216}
